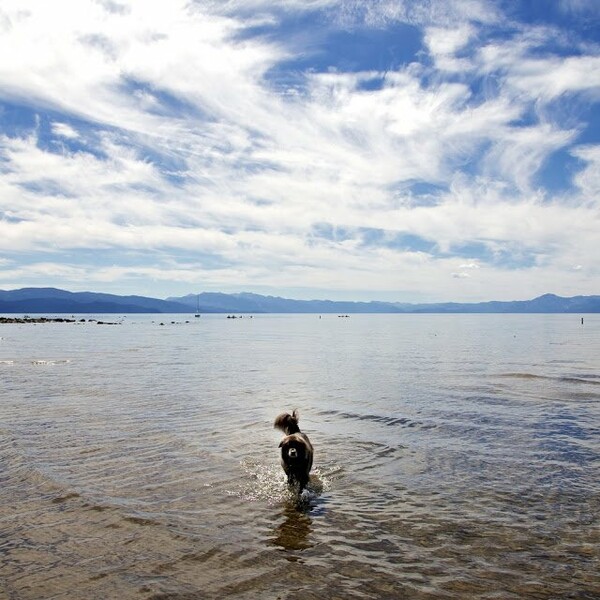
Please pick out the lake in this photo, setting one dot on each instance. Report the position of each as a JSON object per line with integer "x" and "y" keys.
{"x": 456, "y": 456}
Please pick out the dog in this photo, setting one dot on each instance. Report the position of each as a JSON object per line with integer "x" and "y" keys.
{"x": 296, "y": 450}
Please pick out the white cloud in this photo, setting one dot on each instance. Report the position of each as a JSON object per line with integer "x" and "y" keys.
{"x": 441, "y": 13}
{"x": 64, "y": 130}
{"x": 190, "y": 148}
{"x": 444, "y": 43}
{"x": 540, "y": 76}
{"x": 585, "y": 7}
{"x": 518, "y": 153}
{"x": 588, "y": 179}
{"x": 551, "y": 77}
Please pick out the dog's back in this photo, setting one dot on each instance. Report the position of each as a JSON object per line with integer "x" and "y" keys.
{"x": 296, "y": 450}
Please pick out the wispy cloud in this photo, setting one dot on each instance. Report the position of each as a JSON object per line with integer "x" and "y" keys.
{"x": 64, "y": 130}
{"x": 196, "y": 144}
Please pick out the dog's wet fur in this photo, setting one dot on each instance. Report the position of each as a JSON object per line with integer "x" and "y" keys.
{"x": 296, "y": 450}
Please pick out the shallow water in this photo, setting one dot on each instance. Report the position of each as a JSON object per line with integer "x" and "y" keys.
{"x": 457, "y": 456}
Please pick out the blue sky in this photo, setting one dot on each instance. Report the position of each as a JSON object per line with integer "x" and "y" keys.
{"x": 344, "y": 149}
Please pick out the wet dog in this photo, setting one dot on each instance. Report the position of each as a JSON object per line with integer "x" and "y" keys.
{"x": 296, "y": 450}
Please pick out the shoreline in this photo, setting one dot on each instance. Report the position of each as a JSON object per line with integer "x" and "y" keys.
{"x": 35, "y": 320}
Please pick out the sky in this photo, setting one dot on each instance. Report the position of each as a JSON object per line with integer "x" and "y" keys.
{"x": 397, "y": 150}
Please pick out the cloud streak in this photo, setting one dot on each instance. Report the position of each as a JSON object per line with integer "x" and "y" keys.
{"x": 158, "y": 136}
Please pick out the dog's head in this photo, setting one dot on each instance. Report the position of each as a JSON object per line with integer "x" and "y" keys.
{"x": 288, "y": 423}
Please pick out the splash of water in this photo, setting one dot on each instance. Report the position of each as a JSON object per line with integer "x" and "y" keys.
{"x": 266, "y": 482}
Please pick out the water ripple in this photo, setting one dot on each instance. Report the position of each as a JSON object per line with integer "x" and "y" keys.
{"x": 450, "y": 461}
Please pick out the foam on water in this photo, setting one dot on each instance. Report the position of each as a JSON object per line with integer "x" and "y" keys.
{"x": 266, "y": 482}
{"x": 50, "y": 362}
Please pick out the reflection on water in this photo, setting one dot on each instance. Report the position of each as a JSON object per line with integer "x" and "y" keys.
{"x": 455, "y": 457}
{"x": 294, "y": 531}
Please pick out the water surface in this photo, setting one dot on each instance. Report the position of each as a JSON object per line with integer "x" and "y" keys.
{"x": 457, "y": 456}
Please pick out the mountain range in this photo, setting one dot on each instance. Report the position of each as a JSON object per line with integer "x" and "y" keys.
{"x": 55, "y": 301}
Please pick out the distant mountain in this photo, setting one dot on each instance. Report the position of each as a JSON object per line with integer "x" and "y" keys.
{"x": 255, "y": 303}
{"x": 51, "y": 300}
{"x": 55, "y": 301}
{"x": 548, "y": 303}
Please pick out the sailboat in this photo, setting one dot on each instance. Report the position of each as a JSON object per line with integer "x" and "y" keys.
{"x": 197, "y": 306}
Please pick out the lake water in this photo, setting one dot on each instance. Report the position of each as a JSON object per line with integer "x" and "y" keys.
{"x": 456, "y": 456}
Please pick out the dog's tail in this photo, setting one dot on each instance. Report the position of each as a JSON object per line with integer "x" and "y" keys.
{"x": 288, "y": 423}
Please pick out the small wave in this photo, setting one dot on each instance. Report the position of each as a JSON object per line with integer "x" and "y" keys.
{"x": 388, "y": 420}
{"x": 142, "y": 519}
{"x": 587, "y": 378}
{"x": 7, "y": 362}
{"x": 521, "y": 376}
{"x": 50, "y": 362}
{"x": 62, "y": 498}
{"x": 22, "y": 472}
{"x": 577, "y": 379}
